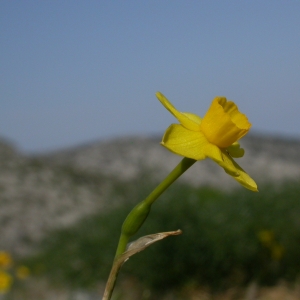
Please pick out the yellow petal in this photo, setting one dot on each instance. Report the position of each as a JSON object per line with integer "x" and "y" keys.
{"x": 191, "y": 144}
{"x": 223, "y": 124}
{"x": 194, "y": 145}
{"x": 243, "y": 178}
{"x": 193, "y": 117}
{"x": 183, "y": 118}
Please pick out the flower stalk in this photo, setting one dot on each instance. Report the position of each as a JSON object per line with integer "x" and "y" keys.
{"x": 139, "y": 213}
{"x": 137, "y": 217}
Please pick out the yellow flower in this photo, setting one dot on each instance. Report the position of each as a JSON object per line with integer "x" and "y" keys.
{"x": 22, "y": 272}
{"x": 277, "y": 252}
{"x": 266, "y": 237}
{"x": 5, "y": 282}
{"x": 215, "y": 136}
{"x": 5, "y": 260}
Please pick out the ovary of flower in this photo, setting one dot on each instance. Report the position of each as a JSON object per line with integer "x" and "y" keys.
{"x": 215, "y": 136}
{"x": 5, "y": 282}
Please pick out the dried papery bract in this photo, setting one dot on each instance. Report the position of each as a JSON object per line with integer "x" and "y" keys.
{"x": 133, "y": 248}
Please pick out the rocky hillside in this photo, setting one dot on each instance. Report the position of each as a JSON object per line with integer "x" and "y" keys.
{"x": 37, "y": 196}
{"x": 40, "y": 193}
{"x": 266, "y": 159}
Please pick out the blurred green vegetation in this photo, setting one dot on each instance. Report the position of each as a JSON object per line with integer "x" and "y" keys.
{"x": 228, "y": 239}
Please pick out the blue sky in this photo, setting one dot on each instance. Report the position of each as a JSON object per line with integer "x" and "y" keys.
{"x": 73, "y": 72}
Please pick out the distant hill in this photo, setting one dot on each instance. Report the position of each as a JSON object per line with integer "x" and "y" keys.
{"x": 43, "y": 192}
{"x": 267, "y": 158}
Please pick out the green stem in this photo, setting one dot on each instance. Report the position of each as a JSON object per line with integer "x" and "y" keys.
{"x": 136, "y": 218}
{"x": 146, "y": 204}
{"x": 175, "y": 174}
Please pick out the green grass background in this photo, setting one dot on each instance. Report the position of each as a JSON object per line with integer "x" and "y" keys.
{"x": 220, "y": 245}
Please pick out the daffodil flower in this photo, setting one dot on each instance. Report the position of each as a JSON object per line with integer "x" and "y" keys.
{"x": 5, "y": 282}
{"x": 215, "y": 136}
